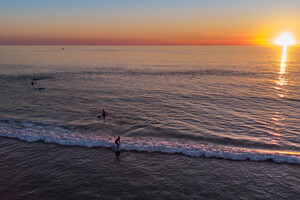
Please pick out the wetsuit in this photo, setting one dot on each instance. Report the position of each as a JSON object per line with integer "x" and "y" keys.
{"x": 117, "y": 142}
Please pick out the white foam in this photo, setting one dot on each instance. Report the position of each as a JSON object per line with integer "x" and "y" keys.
{"x": 193, "y": 149}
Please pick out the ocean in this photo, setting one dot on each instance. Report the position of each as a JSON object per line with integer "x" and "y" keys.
{"x": 196, "y": 122}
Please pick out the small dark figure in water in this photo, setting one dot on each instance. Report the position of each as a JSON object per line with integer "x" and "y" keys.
{"x": 117, "y": 142}
{"x": 32, "y": 82}
{"x": 103, "y": 114}
{"x": 63, "y": 48}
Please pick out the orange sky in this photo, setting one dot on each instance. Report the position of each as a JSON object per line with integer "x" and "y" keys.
{"x": 147, "y": 23}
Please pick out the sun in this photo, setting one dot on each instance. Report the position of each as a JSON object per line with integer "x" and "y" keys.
{"x": 285, "y": 39}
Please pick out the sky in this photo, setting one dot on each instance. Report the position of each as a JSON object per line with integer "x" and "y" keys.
{"x": 151, "y": 22}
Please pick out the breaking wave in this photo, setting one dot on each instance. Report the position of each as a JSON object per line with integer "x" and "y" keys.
{"x": 31, "y": 132}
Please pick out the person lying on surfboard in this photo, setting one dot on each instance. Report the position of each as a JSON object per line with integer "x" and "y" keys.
{"x": 117, "y": 142}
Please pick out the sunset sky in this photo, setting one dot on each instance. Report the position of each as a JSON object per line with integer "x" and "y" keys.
{"x": 137, "y": 22}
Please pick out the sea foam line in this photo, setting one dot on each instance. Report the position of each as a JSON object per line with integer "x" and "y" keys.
{"x": 66, "y": 138}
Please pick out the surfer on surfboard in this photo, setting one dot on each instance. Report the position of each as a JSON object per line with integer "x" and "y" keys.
{"x": 103, "y": 114}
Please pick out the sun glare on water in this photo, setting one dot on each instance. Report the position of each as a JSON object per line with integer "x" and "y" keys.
{"x": 285, "y": 39}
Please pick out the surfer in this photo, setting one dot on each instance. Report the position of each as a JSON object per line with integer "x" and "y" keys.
{"x": 103, "y": 114}
{"x": 117, "y": 142}
{"x": 116, "y": 147}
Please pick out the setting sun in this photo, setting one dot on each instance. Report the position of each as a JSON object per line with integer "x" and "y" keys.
{"x": 285, "y": 39}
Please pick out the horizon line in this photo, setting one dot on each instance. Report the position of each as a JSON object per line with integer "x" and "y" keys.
{"x": 227, "y": 44}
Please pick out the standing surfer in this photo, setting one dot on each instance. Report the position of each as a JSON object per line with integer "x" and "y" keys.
{"x": 116, "y": 148}
{"x": 117, "y": 142}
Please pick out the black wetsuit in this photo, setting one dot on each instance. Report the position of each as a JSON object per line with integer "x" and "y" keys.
{"x": 117, "y": 142}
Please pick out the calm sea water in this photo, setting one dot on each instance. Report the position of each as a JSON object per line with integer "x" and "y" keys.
{"x": 231, "y": 102}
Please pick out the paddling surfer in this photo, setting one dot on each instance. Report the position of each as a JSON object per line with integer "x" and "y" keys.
{"x": 32, "y": 82}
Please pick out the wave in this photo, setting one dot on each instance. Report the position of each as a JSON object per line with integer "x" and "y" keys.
{"x": 45, "y": 132}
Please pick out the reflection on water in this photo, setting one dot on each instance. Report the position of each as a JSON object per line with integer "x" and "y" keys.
{"x": 277, "y": 124}
{"x": 282, "y": 82}
{"x": 278, "y": 118}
